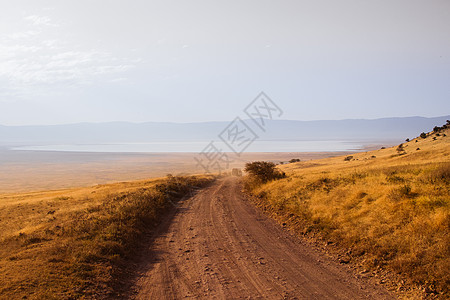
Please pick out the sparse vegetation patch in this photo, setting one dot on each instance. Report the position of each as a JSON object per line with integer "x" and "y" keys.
{"x": 392, "y": 213}
{"x": 80, "y": 249}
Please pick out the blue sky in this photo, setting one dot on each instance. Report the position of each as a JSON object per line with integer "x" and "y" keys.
{"x": 189, "y": 61}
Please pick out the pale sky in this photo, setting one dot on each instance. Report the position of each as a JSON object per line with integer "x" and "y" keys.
{"x": 190, "y": 61}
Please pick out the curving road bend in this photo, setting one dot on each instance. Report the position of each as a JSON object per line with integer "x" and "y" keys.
{"x": 219, "y": 246}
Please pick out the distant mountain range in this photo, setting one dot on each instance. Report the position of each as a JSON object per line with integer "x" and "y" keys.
{"x": 377, "y": 130}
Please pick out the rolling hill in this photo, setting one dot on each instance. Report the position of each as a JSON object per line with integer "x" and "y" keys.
{"x": 386, "y": 129}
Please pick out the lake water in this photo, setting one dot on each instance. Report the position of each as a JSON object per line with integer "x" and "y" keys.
{"x": 198, "y": 146}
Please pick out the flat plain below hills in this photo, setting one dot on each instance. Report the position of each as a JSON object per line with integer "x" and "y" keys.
{"x": 24, "y": 171}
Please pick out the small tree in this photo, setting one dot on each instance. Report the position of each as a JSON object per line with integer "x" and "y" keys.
{"x": 264, "y": 171}
{"x": 423, "y": 135}
{"x": 401, "y": 150}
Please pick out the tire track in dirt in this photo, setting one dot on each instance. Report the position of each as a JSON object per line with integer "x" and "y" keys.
{"x": 219, "y": 246}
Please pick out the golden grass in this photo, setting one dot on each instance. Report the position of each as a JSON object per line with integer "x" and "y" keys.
{"x": 73, "y": 243}
{"x": 390, "y": 209}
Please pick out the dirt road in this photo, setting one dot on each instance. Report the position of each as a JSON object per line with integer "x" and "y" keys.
{"x": 219, "y": 246}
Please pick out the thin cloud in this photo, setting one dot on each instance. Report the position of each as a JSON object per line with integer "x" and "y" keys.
{"x": 40, "y": 20}
{"x": 30, "y": 64}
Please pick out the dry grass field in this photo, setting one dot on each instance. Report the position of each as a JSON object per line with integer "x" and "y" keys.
{"x": 67, "y": 241}
{"x": 389, "y": 209}
{"x": 70, "y": 244}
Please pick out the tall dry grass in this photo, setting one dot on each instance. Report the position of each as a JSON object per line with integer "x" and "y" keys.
{"x": 388, "y": 211}
{"x": 80, "y": 252}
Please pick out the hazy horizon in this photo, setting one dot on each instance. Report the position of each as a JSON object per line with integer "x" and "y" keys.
{"x": 224, "y": 121}
{"x": 281, "y": 135}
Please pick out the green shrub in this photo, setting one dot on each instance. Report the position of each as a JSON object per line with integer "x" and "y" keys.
{"x": 263, "y": 171}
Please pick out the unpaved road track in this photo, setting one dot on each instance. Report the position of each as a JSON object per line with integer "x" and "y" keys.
{"x": 219, "y": 246}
